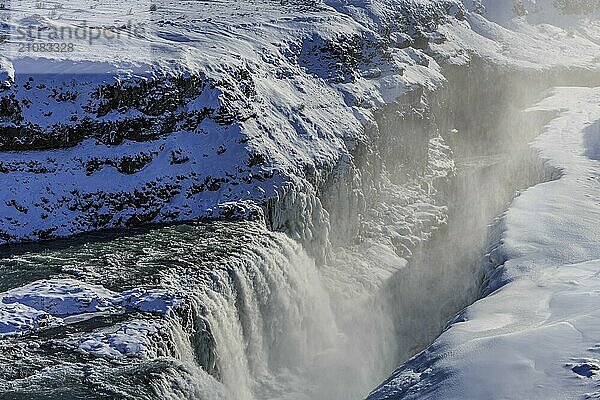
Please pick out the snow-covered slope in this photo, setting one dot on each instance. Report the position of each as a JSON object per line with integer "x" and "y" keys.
{"x": 193, "y": 115}
{"x": 181, "y": 110}
{"x": 535, "y": 335}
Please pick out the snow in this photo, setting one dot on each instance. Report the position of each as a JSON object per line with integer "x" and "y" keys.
{"x": 535, "y": 335}
{"x": 21, "y": 318}
{"x": 291, "y": 85}
{"x": 55, "y": 302}
{"x": 60, "y": 298}
{"x": 62, "y": 211}
{"x": 287, "y": 92}
{"x": 132, "y": 339}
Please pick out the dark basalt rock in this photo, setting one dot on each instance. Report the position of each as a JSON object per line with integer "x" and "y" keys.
{"x": 160, "y": 104}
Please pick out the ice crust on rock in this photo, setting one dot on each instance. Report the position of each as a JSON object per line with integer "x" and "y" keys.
{"x": 54, "y": 302}
{"x": 134, "y": 338}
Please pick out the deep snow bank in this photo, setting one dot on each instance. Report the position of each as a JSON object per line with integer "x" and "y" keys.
{"x": 535, "y": 336}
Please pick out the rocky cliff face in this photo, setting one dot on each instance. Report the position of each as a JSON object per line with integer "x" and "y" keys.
{"x": 259, "y": 114}
{"x": 215, "y": 134}
{"x": 336, "y": 122}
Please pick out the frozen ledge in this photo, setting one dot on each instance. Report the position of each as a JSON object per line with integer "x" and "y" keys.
{"x": 57, "y": 302}
{"x": 538, "y": 335}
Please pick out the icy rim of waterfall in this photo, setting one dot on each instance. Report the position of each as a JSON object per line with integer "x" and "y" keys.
{"x": 536, "y": 335}
{"x": 55, "y": 302}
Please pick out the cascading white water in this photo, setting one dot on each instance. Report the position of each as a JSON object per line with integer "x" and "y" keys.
{"x": 270, "y": 317}
{"x": 186, "y": 379}
{"x": 383, "y": 297}
{"x": 284, "y": 327}
{"x": 276, "y": 334}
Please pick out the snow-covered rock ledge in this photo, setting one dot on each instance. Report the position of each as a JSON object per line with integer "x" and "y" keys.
{"x": 257, "y": 114}
{"x": 188, "y": 118}
{"x": 50, "y": 303}
{"x": 537, "y": 336}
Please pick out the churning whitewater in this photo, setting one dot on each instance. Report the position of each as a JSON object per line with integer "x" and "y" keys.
{"x": 252, "y": 314}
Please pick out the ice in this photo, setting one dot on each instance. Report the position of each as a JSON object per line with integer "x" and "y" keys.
{"x": 152, "y": 301}
{"x": 289, "y": 93}
{"x": 61, "y": 298}
{"x": 16, "y": 318}
{"x": 132, "y": 339}
{"x": 54, "y": 302}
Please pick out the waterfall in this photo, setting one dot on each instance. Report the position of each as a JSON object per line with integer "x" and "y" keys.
{"x": 271, "y": 317}
{"x": 266, "y": 326}
{"x": 396, "y": 256}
